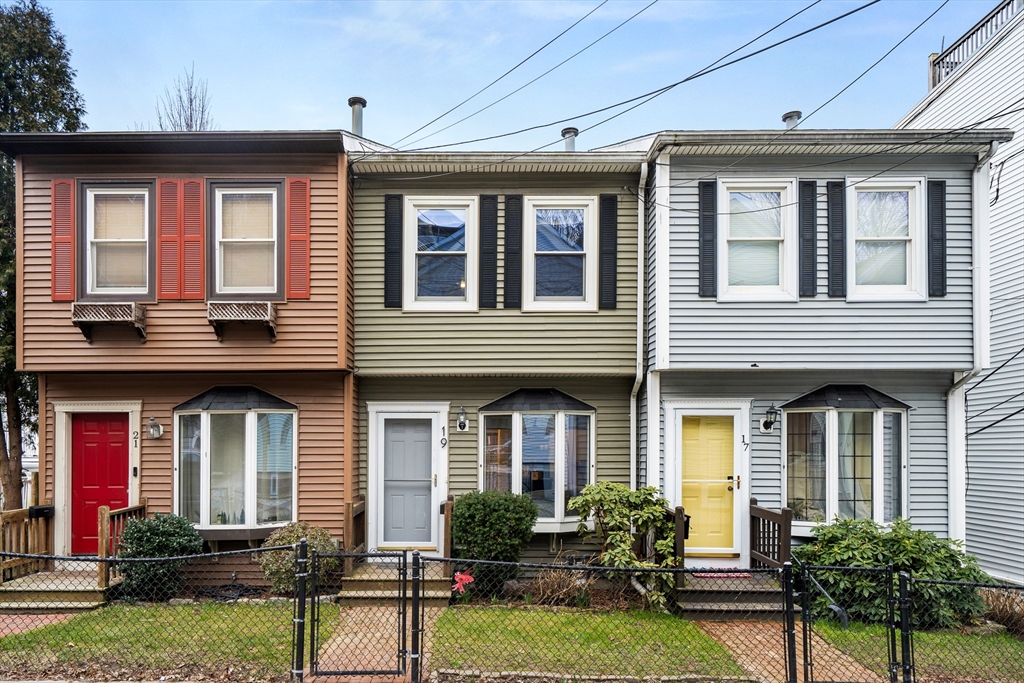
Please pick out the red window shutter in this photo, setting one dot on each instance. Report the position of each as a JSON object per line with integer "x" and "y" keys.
{"x": 193, "y": 272}
{"x": 297, "y": 238}
{"x": 168, "y": 238}
{"x": 62, "y": 218}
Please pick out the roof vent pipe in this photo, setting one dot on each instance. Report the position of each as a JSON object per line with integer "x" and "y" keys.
{"x": 569, "y": 135}
{"x": 791, "y": 118}
{"x": 357, "y": 104}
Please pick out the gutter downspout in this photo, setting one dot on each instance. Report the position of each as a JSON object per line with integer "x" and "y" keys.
{"x": 956, "y": 418}
{"x": 641, "y": 234}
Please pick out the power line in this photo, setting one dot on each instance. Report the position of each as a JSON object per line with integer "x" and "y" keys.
{"x": 971, "y": 417}
{"x": 1002, "y": 419}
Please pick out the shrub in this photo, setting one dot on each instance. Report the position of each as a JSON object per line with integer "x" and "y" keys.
{"x": 923, "y": 555}
{"x": 279, "y": 565}
{"x": 623, "y": 520}
{"x": 1005, "y": 605}
{"x": 492, "y": 525}
{"x": 161, "y": 536}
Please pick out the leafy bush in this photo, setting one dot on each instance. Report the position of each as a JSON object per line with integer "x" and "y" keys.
{"x": 279, "y": 565}
{"x": 161, "y": 536}
{"x": 623, "y": 520}
{"x": 492, "y": 525}
{"x": 923, "y": 555}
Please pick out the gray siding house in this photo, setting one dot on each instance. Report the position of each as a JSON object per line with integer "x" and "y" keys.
{"x": 812, "y": 305}
{"x": 496, "y": 327}
{"x": 980, "y": 77}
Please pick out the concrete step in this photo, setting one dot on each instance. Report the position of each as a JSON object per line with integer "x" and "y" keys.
{"x": 732, "y": 611}
{"x": 432, "y": 598}
{"x": 49, "y": 607}
{"x": 391, "y": 585}
{"x": 767, "y": 597}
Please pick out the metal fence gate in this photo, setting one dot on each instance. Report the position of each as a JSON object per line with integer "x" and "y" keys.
{"x": 367, "y": 641}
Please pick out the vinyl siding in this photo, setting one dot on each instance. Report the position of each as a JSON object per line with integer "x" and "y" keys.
{"x": 819, "y": 332}
{"x": 988, "y": 84}
{"x": 492, "y": 341}
{"x": 319, "y": 397}
{"x": 179, "y": 336}
{"x": 925, "y": 392}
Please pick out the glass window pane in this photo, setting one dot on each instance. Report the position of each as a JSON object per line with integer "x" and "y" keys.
{"x": 274, "y": 450}
{"x": 497, "y": 452}
{"x": 855, "y": 452}
{"x": 755, "y": 214}
{"x": 441, "y": 230}
{"x": 248, "y": 266}
{"x": 805, "y": 458}
{"x": 883, "y": 214}
{"x": 227, "y": 468}
{"x": 189, "y": 454}
{"x": 882, "y": 263}
{"x": 577, "y": 456}
{"x": 119, "y": 216}
{"x": 892, "y": 464}
{"x": 247, "y": 216}
{"x": 559, "y": 276}
{"x": 560, "y": 230}
{"x": 119, "y": 265}
{"x": 538, "y": 446}
{"x": 441, "y": 275}
{"x": 754, "y": 264}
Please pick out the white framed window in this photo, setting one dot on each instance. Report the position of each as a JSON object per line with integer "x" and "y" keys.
{"x": 547, "y": 455}
{"x": 757, "y": 239}
{"x": 846, "y": 463}
{"x": 247, "y": 239}
{"x": 117, "y": 240}
{"x": 440, "y": 254}
{"x": 885, "y": 239}
{"x": 235, "y": 469}
{"x": 560, "y": 254}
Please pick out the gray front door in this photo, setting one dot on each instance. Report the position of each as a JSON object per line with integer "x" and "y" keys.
{"x": 407, "y": 481}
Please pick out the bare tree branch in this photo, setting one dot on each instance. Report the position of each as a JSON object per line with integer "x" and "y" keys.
{"x": 187, "y": 106}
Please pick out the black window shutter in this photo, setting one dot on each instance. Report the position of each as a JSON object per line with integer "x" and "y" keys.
{"x": 393, "y": 251}
{"x": 488, "y": 251}
{"x": 836, "y": 238}
{"x": 937, "y": 237}
{"x": 608, "y": 263}
{"x": 708, "y": 228}
{"x": 808, "y": 238}
{"x": 513, "y": 250}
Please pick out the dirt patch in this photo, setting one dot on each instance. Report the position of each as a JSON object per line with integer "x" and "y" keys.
{"x": 112, "y": 670}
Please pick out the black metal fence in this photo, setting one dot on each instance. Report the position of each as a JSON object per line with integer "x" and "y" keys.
{"x": 274, "y": 613}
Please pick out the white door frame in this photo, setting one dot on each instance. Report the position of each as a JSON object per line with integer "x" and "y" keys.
{"x": 437, "y": 413}
{"x": 62, "y": 413}
{"x": 739, "y": 409}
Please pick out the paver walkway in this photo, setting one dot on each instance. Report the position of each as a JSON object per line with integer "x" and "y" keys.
{"x": 19, "y": 623}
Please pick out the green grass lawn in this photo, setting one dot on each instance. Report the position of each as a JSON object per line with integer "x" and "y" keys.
{"x": 250, "y": 639}
{"x": 937, "y": 654}
{"x": 571, "y": 641}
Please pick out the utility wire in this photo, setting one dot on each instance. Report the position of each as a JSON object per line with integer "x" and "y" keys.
{"x": 524, "y": 61}
{"x": 1003, "y": 365}
{"x": 995, "y": 406}
{"x": 1002, "y": 419}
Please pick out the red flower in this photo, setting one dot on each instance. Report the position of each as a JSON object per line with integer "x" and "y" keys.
{"x": 462, "y": 579}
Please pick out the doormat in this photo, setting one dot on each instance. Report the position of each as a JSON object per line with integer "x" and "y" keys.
{"x": 722, "y": 575}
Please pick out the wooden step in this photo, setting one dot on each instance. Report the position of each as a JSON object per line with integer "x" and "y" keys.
{"x": 49, "y": 607}
{"x": 433, "y": 598}
{"x": 43, "y": 595}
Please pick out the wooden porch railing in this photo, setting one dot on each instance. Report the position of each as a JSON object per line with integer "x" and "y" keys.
{"x": 771, "y": 535}
{"x": 22, "y": 533}
{"x": 446, "y": 551}
{"x": 678, "y": 518}
{"x": 108, "y": 537}
{"x": 354, "y": 532}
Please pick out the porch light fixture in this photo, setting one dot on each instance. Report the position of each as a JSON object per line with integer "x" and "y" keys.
{"x": 154, "y": 430}
{"x": 462, "y": 420}
{"x": 771, "y": 416}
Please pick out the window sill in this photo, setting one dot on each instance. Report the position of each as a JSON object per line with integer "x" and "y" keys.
{"x": 854, "y": 296}
{"x": 440, "y": 307}
{"x": 773, "y": 296}
{"x": 552, "y": 527}
{"x": 559, "y": 307}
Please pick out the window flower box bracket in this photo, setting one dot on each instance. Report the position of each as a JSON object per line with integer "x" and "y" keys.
{"x": 220, "y": 313}
{"x": 85, "y": 316}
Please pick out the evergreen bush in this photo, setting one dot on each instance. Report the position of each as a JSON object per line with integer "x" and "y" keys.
{"x": 492, "y": 525}
{"x": 161, "y": 536}
{"x": 279, "y": 565}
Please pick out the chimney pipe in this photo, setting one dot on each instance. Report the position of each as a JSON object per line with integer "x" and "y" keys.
{"x": 569, "y": 134}
{"x": 357, "y": 104}
{"x": 791, "y": 118}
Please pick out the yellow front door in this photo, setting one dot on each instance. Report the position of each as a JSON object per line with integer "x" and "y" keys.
{"x": 708, "y": 486}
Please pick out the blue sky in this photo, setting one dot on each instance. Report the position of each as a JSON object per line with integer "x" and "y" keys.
{"x": 293, "y": 65}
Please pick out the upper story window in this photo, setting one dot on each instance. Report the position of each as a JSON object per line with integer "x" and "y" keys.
{"x": 440, "y": 253}
{"x": 247, "y": 240}
{"x": 757, "y": 234}
{"x": 560, "y": 268}
{"x": 546, "y": 453}
{"x": 886, "y": 240}
{"x": 117, "y": 244}
{"x": 845, "y": 462}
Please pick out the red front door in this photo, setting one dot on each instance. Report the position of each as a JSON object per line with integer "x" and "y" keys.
{"x": 99, "y": 473}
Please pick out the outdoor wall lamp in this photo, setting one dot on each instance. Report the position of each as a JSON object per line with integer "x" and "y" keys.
{"x": 462, "y": 420}
{"x": 154, "y": 430}
{"x": 771, "y": 416}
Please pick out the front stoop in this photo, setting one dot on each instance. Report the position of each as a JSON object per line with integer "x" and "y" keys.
{"x": 52, "y": 592}
{"x": 757, "y": 597}
{"x": 378, "y": 583}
